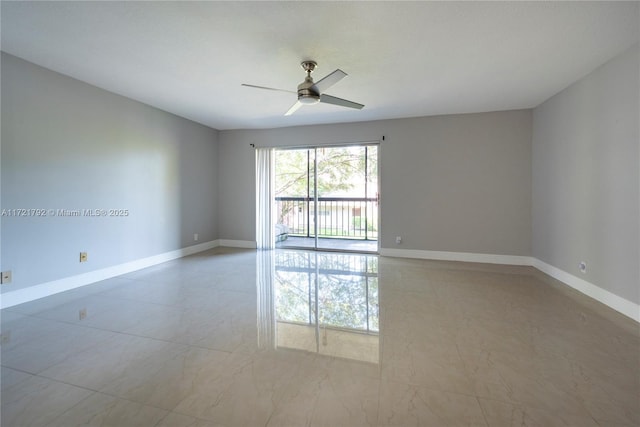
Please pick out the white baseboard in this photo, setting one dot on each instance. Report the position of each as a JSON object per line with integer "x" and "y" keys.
{"x": 42, "y": 290}
{"x": 247, "y": 244}
{"x": 457, "y": 256}
{"x": 607, "y": 298}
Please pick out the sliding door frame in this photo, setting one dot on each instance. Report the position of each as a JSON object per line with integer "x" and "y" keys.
{"x": 309, "y": 148}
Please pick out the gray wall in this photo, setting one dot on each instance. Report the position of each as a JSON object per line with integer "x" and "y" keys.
{"x": 586, "y": 184}
{"x": 69, "y": 145}
{"x": 457, "y": 183}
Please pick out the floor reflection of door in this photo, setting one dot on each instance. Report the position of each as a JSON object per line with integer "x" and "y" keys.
{"x": 327, "y": 198}
{"x": 327, "y": 303}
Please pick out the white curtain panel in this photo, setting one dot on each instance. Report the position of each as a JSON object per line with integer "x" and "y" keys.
{"x": 265, "y": 198}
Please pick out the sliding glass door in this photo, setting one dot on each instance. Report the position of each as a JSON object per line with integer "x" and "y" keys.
{"x": 327, "y": 198}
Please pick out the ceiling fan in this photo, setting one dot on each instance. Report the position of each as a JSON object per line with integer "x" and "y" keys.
{"x": 311, "y": 93}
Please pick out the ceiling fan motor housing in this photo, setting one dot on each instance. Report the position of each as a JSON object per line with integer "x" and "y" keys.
{"x": 307, "y": 93}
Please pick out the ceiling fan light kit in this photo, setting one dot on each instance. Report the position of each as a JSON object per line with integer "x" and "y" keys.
{"x": 310, "y": 93}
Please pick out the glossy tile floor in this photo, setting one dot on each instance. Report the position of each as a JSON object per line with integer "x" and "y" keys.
{"x": 292, "y": 338}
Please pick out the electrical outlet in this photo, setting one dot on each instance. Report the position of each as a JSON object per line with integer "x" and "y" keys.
{"x": 6, "y": 277}
{"x": 82, "y": 313}
{"x": 195, "y": 237}
{"x": 583, "y": 267}
{"x": 398, "y": 240}
{"x": 83, "y": 257}
{"x": 5, "y": 337}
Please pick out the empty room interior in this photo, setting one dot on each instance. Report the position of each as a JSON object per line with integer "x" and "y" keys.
{"x": 320, "y": 214}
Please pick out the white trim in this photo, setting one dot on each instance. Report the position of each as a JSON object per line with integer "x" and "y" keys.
{"x": 247, "y": 244}
{"x": 457, "y": 256}
{"x": 321, "y": 145}
{"x": 607, "y": 298}
{"x": 619, "y": 304}
{"x": 46, "y": 289}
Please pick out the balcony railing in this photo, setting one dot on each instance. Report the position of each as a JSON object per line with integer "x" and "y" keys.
{"x": 338, "y": 217}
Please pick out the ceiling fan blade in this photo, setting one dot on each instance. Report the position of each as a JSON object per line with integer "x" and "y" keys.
{"x": 329, "y": 80}
{"x": 339, "y": 101}
{"x": 269, "y": 88}
{"x": 293, "y": 108}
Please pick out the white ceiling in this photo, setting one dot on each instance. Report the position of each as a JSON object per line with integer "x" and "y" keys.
{"x": 403, "y": 59}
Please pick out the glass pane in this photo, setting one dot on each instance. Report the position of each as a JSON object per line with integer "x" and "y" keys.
{"x": 294, "y": 185}
{"x": 342, "y": 208}
{"x": 372, "y": 192}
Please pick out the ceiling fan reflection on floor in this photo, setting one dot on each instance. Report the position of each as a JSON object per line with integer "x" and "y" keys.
{"x": 310, "y": 93}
